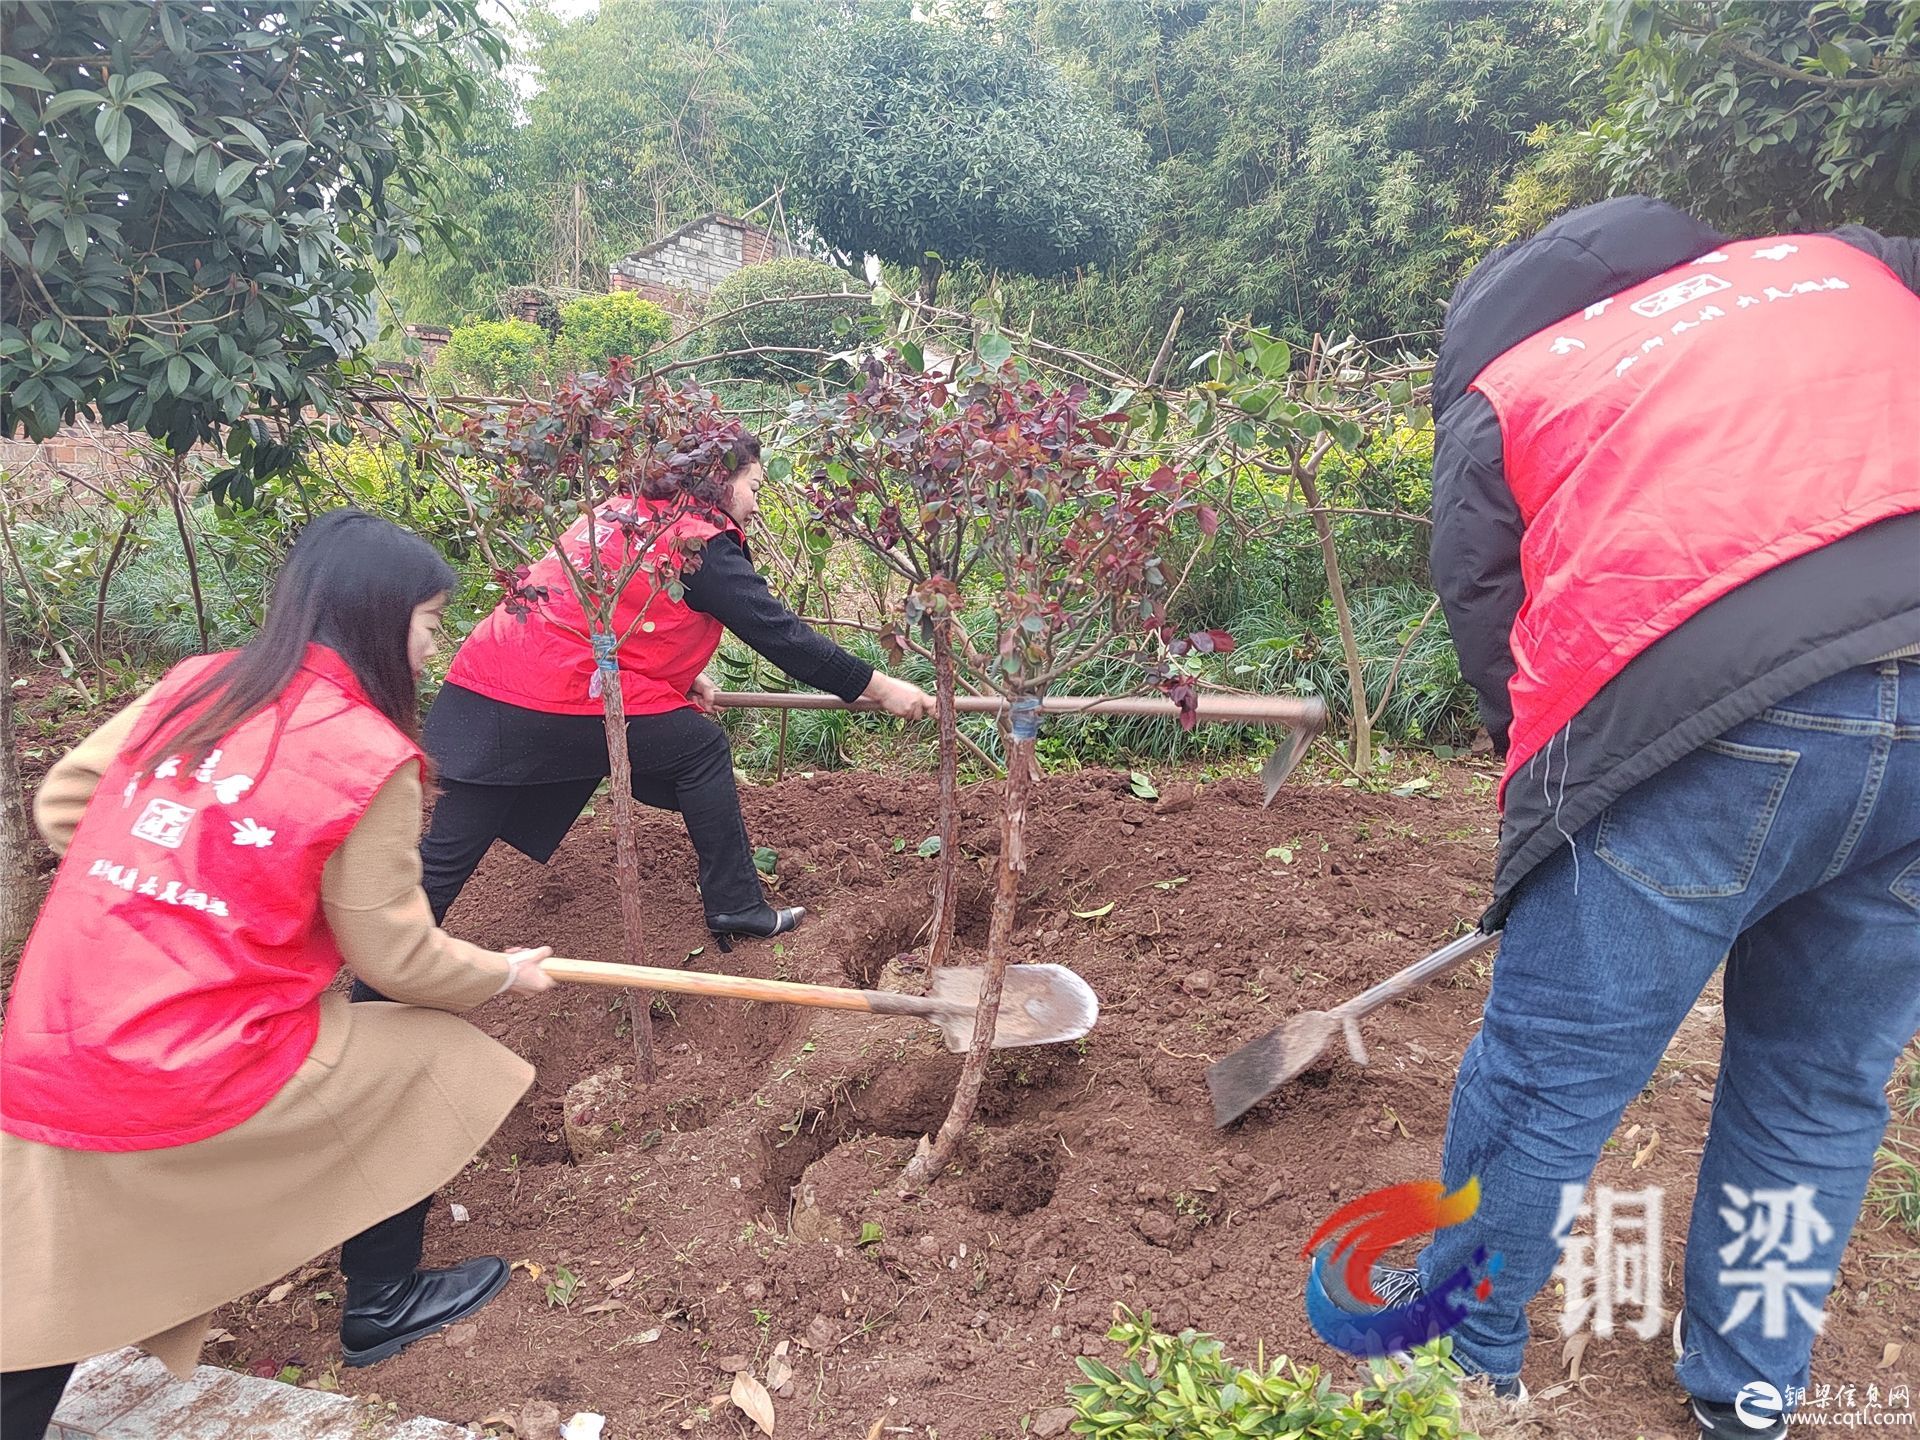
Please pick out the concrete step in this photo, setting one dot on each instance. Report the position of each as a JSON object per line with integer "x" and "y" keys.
{"x": 129, "y": 1395}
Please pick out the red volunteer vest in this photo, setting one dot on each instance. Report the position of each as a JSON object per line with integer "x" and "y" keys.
{"x": 1682, "y": 437}
{"x": 171, "y": 984}
{"x": 542, "y": 660}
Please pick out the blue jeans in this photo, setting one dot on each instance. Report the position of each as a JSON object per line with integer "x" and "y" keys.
{"x": 1790, "y": 849}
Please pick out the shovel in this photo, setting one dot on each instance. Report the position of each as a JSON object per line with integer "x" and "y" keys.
{"x": 1243, "y": 1079}
{"x": 1301, "y": 718}
{"x": 1039, "y": 1004}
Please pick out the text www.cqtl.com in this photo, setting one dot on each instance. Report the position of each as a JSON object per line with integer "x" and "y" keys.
{"x": 1862, "y": 1419}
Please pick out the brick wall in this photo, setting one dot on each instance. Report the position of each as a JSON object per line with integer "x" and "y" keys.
{"x": 681, "y": 270}
{"x": 430, "y": 338}
{"x": 88, "y": 453}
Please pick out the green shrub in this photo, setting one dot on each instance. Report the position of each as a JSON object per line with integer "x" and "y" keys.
{"x": 596, "y": 328}
{"x": 1184, "y": 1388}
{"x": 496, "y": 357}
{"x": 805, "y": 324}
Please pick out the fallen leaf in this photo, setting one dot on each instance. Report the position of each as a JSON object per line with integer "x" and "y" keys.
{"x": 279, "y": 1292}
{"x": 779, "y": 1371}
{"x": 873, "y": 1430}
{"x": 621, "y": 1279}
{"x": 645, "y": 1337}
{"x": 217, "y": 1337}
{"x": 751, "y": 1396}
{"x": 602, "y": 1307}
{"x": 460, "y": 1215}
{"x": 1142, "y": 786}
{"x": 1891, "y": 1355}
{"x": 1573, "y": 1352}
{"x": 1173, "y": 884}
{"x": 1104, "y": 910}
{"x": 1281, "y": 853}
{"x": 532, "y": 1267}
{"x": 1645, "y": 1152}
{"x": 733, "y": 1364}
{"x": 585, "y": 1425}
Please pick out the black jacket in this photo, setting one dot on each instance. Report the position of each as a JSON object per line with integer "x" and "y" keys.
{"x": 1811, "y": 617}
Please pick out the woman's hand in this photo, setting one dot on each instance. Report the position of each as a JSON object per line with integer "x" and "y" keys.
{"x": 898, "y": 697}
{"x": 526, "y": 977}
{"x": 701, "y": 692}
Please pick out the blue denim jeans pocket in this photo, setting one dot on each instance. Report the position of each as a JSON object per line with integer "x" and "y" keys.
{"x": 1729, "y": 794}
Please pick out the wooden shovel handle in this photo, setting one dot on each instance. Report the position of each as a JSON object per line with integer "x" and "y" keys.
{"x": 739, "y": 987}
{"x": 1418, "y": 973}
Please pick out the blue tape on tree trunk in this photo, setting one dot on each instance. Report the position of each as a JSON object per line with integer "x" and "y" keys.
{"x": 1024, "y": 718}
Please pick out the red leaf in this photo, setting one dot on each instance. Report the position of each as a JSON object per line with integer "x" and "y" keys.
{"x": 1209, "y": 522}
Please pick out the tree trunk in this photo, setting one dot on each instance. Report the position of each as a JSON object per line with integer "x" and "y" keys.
{"x": 946, "y": 893}
{"x": 934, "y": 1156}
{"x": 16, "y": 844}
{"x": 930, "y": 272}
{"x": 1359, "y": 720}
{"x": 192, "y": 556}
{"x": 626, "y": 865}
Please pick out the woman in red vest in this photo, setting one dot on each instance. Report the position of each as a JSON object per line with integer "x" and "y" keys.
{"x": 187, "y": 1111}
{"x": 516, "y": 733}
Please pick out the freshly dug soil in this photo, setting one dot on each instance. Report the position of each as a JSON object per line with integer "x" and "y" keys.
{"x": 748, "y": 1199}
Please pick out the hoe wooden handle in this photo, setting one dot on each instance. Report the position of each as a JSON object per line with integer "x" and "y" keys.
{"x": 740, "y": 987}
{"x": 1292, "y": 711}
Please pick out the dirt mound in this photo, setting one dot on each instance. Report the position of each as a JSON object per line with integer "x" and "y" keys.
{"x": 749, "y": 1200}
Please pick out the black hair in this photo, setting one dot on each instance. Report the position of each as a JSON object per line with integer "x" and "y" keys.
{"x": 702, "y": 470}
{"x": 744, "y": 451}
{"x": 351, "y": 582}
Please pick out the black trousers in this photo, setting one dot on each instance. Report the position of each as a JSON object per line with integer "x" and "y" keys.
{"x": 681, "y": 761}
{"x": 28, "y": 1399}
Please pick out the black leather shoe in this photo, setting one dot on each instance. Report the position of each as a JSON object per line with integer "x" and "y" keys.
{"x": 383, "y": 1317}
{"x": 1720, "y": 1421}
{"x": 761, "y": 924}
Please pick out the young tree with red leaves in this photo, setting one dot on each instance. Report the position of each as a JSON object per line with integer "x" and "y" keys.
{"x": 882, "y": 465}
{"x": 987, "y": 474}
{"x": 591, "y": 484}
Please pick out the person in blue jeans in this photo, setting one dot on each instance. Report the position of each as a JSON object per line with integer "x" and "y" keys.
{"x": 1677, "y": 538}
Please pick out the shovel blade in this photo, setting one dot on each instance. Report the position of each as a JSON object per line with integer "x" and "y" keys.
{"x": 1240, "y": 1081}
{"x": 1039, "y": 1005}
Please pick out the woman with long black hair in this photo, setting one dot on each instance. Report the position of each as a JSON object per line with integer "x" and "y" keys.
{"x": 185, "y": 1113}
{"x": 516, "y": 732}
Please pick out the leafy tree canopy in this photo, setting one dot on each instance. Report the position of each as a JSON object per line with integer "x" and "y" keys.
{"x": 194, "y": 196}
{"x": 1765, "y": 117}
{"x": 929, "y": 142}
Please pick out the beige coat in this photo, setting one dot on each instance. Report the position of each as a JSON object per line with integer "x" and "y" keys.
{"x": 100, "y": 1249}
